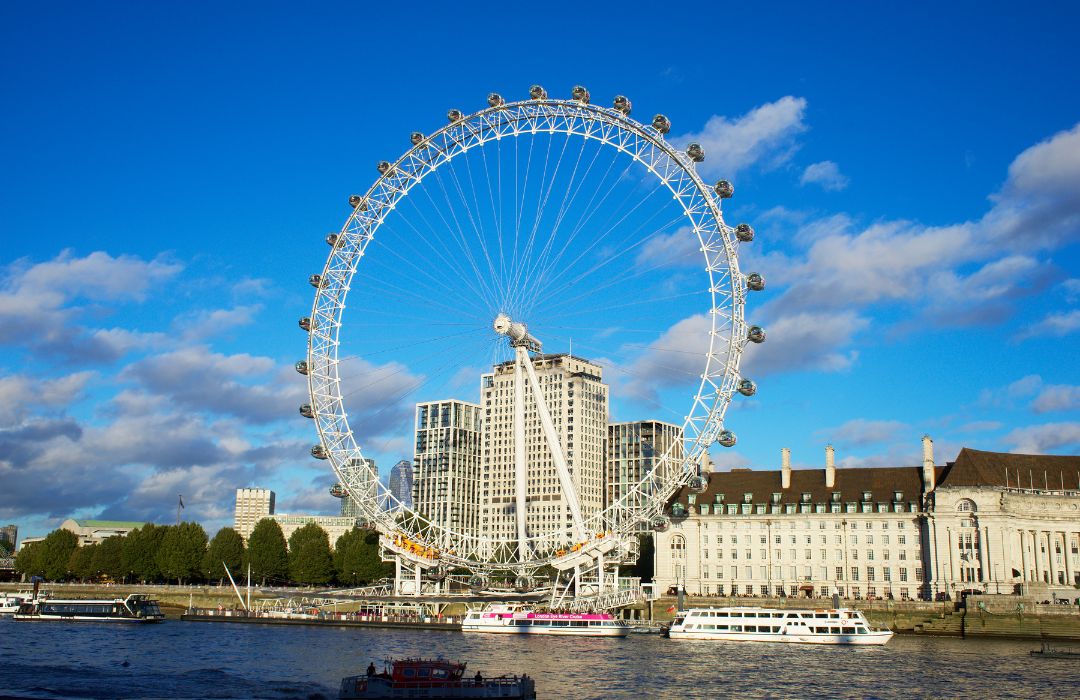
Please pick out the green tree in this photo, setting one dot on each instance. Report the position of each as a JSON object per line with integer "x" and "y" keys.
{"x": 109, "y": 558}
{"x": 28, "y": 560}
{"x": 181, "y": 553}
{"x": 56, "y": 551}
{"x": 81, "y": 562}
{"x": 356, "y": 558}
{"x": 228, "y": 547}
{"x": 309, "y": 556}
{"x": 646, "y": 558}
{"x": 267, "y": 552}
{"x": 140, "y": 550}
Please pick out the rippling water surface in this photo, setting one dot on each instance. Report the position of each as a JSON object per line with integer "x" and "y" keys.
{"x": 215, "y": 660}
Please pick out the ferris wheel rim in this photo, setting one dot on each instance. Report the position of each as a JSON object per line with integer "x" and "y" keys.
{"x": 335, "y": 434}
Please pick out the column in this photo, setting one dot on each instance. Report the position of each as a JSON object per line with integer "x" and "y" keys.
{"x": 1065, "y": 557}
{"x": 984, "y": 555}
{"x": 1035, "y": 555}
{"x": 952, "y": 559}
{"x": 1023, "y": 558}
{"x": 1050, "y": 564}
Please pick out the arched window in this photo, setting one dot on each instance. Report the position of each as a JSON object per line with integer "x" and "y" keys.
{"x": 966, "y": 505}
{"x": 678, "y": 547}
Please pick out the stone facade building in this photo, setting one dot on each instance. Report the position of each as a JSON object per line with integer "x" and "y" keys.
{"x": 252, "y": 505}
{"x": 905, "y": 532}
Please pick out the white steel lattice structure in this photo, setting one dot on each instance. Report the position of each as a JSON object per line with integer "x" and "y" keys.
{"x": 607, "y": 533}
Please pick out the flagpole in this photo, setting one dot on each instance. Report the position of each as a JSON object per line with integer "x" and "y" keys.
{"x": 179, "y": 505}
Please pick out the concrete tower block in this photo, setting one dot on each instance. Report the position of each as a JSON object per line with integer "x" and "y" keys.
{"x": 929, "y": 475}
{"x": 785, "y": 468}
{"x": 830, "y": 467}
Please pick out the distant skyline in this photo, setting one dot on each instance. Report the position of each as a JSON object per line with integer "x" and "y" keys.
{"x": 913, "y": 175}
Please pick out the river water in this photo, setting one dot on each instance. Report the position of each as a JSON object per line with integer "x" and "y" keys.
{"x": 218, "y": 660}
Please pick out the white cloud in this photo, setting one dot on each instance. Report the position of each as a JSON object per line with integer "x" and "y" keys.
{"x": 1057, "y": 397}
{"x": 805, "y": 340}
{"x": 1054, "y": 325}
{"x": 826, "y": 174}
{"x": 763, "y": 136}
{"x": 21, "y": 395}
{"x": 678, "y": 249}
{"x": 1039, "y": 439}
{"x": 860, "y": 432}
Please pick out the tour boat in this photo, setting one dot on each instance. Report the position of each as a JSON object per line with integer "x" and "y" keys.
{"x": 433, "y": 679}
{"x": 9, "y": 603}
{"x": 837, "y": 626}
{"x": 508, "y": 619}
{"x": 137, "y": 607}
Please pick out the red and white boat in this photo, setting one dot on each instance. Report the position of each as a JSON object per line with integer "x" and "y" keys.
{"x": 507, "y": 619}
{"x": 433, "y": 679}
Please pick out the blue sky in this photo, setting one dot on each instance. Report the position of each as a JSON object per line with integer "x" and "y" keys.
{"x": 913, "y": 175}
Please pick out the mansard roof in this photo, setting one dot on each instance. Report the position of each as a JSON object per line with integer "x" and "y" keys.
{"x": 1001, "y": 469}
{"x": 851, "y": 483}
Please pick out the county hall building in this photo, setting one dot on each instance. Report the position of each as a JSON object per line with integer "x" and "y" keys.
{"x": 988, "y": 522}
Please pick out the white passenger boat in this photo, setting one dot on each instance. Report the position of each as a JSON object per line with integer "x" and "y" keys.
{"x": 137, "y": 607}
{"x": 10, "y": 602}
{"x": 836, "y": 626}
{"x": 507, "y": 619}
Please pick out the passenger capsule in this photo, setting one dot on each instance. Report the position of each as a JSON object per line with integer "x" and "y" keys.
{"x": 660, "y": 523}
{"x": 726, "y": 438}
{"x": 622, "y": 104}
{"x": 756, "y": 334}
{"x": 319, "y": 452}
{"x": 580, "y": 94}
{"x": 305, "y": 323}
{"x": 301, "y": 367}
{"x": 661, "y": 123}
{"x": 354, "y": 200}
{"x": 332, "y": 240}
{"x": 724, "y": 189}
{"x": 338, "y": 490}
{"x": 522, "y": 584}
{"x": 698, "y": 484}
{"x": 696, "y": 152}
{"x": 306, "y": 411}
{"x": 416, "y": 138}
{"x": 316, "y": 281}
{"x": 454, "y": 115}
{"x": 495, "y": 100}
{"x": 537, "y": 92}
{"x": 477, "y": 582}
{"x": 744, "y": 232}
{"x": 755, "y": 282}
{"x": 746, "y": 387}
{"x": 383, "y": 167}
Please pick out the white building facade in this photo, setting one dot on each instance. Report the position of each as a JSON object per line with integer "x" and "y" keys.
{"x": 577, "y": 399}
{"x": 446, "y": 464}
{"x": 252, "y": 505}
{"x": 633, "y": 451}
{"x": 901, "y": 532}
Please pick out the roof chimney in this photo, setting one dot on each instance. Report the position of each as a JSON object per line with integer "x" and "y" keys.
{"x": 785, "y": 468}
{"x": 929, "y": 475}
{"x": 830, "y": 467}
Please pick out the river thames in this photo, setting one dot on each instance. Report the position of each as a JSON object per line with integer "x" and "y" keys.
{"x": 211, "y": 660}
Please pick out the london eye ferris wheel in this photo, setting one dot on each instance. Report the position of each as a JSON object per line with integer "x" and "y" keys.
{"x": 523, "y": 232}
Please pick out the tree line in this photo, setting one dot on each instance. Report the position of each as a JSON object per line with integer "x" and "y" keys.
{"x": 183, "y": 554}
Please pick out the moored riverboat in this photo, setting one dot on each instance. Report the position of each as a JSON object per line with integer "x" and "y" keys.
{"x": 508, "y": 619}
{"x": 10, "y": 603}
{"x": 137, "y": 607}
{"x": 433, "y": 679}
{"x": 834, "y": 626}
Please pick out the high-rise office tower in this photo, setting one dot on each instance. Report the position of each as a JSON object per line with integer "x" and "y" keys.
{"x": 577, "y": 398}
{"x": 252, "y": 505}
{"x": 401, "y": 482}
{"x": 634, "y": 450}
{"x": 446, "y": 465}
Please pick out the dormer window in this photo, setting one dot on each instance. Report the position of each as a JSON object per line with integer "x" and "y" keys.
{"x": 867, "y": 496}
{"x": 748, "y": 498}
{"x": 776, "y": 498}
{"x": 836, "y": 496}
{"x": 806, "y": 498}
{"x": 897, "y": 496}
{"x": 719, "y": 498}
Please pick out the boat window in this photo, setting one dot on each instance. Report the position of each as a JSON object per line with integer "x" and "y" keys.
{"x": 862, "y": 630}
{"x": 849, "y": 630}
{"x": 423, "y": 672}
{"x": 439, "y": 673}
{"x": 408, "y": 672}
